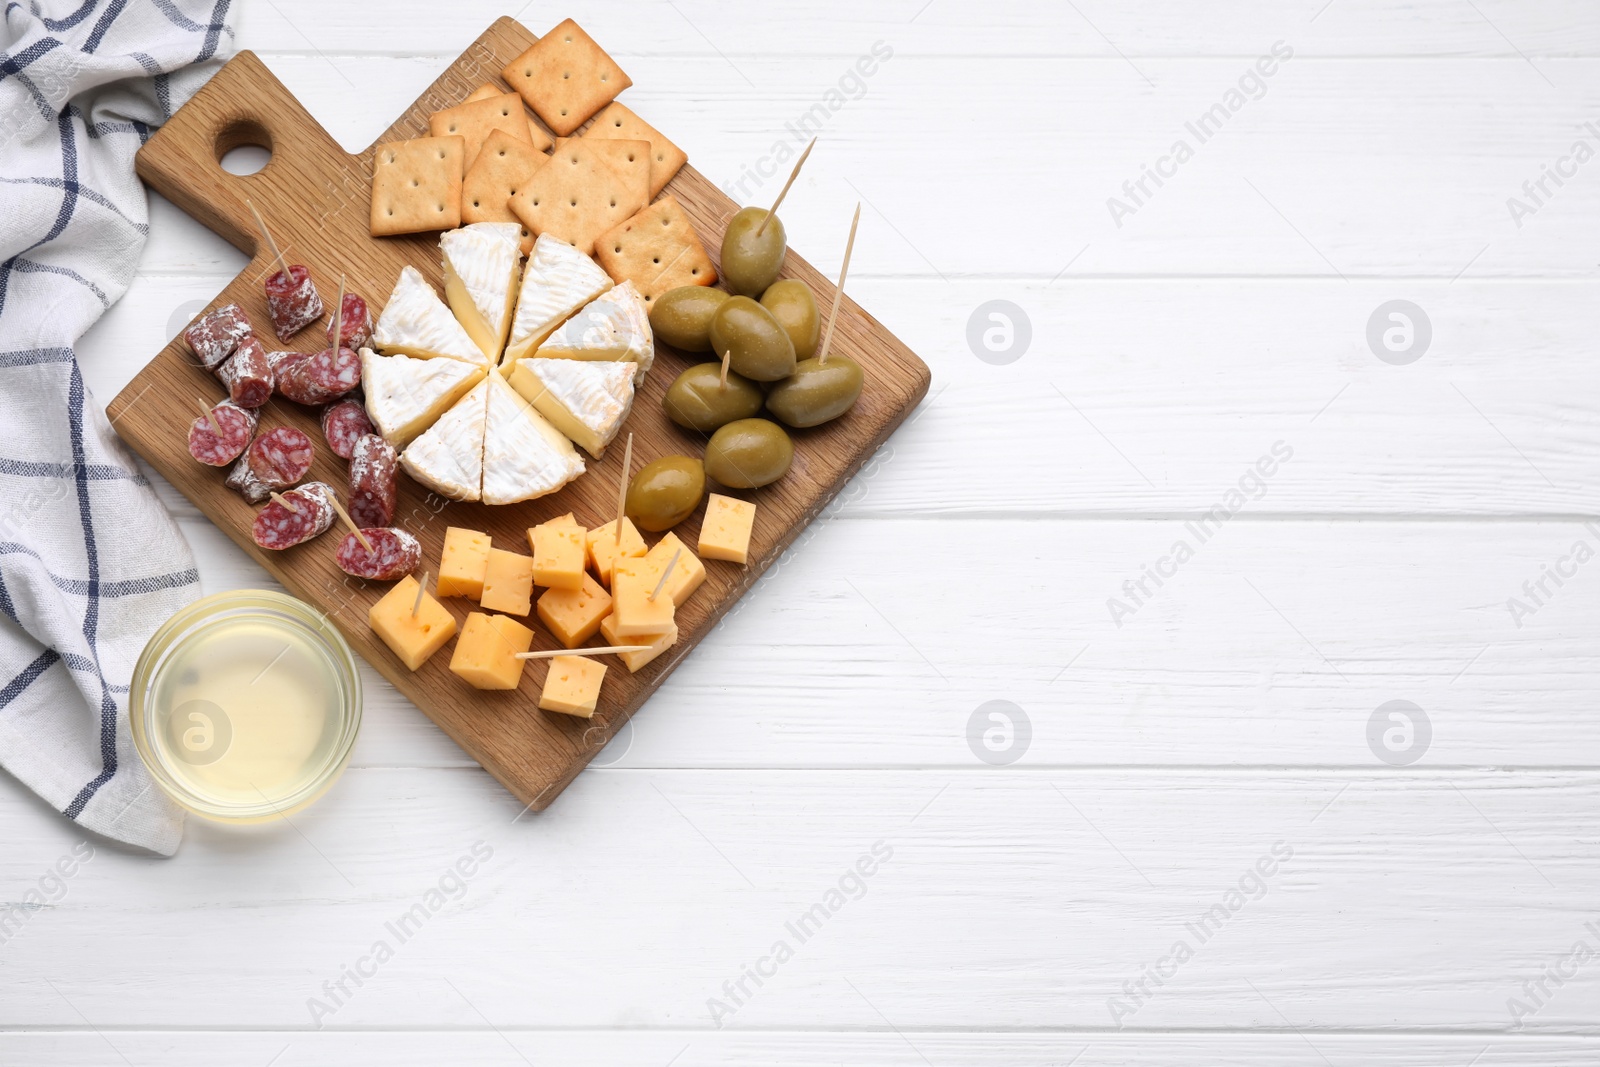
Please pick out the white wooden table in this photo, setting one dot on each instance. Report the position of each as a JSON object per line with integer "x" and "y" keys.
{"x": 1025, "y": 906}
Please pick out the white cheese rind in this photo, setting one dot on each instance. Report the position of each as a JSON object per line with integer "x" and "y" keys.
{"x": 613, "y": 326}
{"x": 523, "y": 455}
{"x": 448, "y": 458}
{"x": 557, "y": 281}
{"x": 404, "y": 395}
{"x": 415, "y": 322}
{"x": 587, "y": 401}
{"x": 481, "y": 264}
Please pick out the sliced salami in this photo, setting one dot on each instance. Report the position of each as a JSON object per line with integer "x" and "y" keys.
{"x": 293, "y": 301}
{"x": 243, "y": 481}
{"x": 355, "y": 323}
{"x": 343, "y": 424}
{"x": 278, "y": 528}
{"x": 215, "y": 449}
{"x": 282, "y": 360}
{"x": 248, "y": 374}
{"x": 281, "y": 457}
{"x": 374, "y": 481}
{"x": 321, "y": 378}
{"x": 394, "y": 554}
{"x": 212, "y": 338}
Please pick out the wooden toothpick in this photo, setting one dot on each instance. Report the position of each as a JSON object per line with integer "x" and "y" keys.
{"x": 285, "y": 503}
{"x": 211, "y": 417}
{"x": 838, "y": 296}
{"x": 348, "y": 521}
{"x": 622, "y": 487}
{"x": 666, "y": 573}
{"x": 283, "y": 264}
{"x": 727, "y": 358}
{"x": 422, "y": 588}
{"x": 552, "y": 653}
{"x": 338, "y": 320}
{"x": 793, "y": 174}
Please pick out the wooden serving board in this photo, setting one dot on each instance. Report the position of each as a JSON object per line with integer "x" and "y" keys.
{"x": 314, "y": 197}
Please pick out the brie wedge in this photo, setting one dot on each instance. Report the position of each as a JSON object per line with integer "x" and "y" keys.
{"x": 415, "y": 322}
{"x": 405, "y": 395}
{"x": 448, "y": 458}
{"x": 480, "y": 280}
{"x": 586, "y": 401}
{"x": 523, "y": 455}
{"x": 557, "y": 281}
{"x": 614, "y": 326}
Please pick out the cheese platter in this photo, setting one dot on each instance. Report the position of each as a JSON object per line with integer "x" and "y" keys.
{"x": 508, "y": 396}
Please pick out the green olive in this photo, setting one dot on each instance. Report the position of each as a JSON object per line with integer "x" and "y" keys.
{"x": 816, "y": 392}
{"x": 760, "y": 348}
{"x": 749, "y": 453}
{"x": 682, "y": 317}
{"x": 699, "y": 401}
{"x": 665, "y": 492}
{"x": 751, "y": 263}
{"x": 792, "y": 304}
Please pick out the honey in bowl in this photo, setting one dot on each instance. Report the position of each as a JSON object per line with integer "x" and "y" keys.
{"x": 245, "y": 706}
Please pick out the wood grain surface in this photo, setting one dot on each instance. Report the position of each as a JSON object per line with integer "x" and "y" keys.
{"x": 314, "y": 198}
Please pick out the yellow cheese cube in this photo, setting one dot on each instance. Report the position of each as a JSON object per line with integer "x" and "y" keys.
{"x": 508, "y": 583}
{"x": 573, "y": 686}
{"x": 687, "y": 573}
{"x": 558, "y": 554}
{"x": 411, "y": 637}
{"x": 725, "y": 532}
{"x": 461, "y": 567}
{"x": 485, "y": 653}
{"x": 604, "y": 550}
{"x": 635, "y": 613}
{"x": 574, "y": 615}
{"x": 658, "y": 643}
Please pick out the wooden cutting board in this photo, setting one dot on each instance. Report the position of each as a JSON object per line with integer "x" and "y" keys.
{"x": 314, "y": 197}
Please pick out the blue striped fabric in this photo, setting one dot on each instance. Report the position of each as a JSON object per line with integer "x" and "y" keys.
{"x": 90, "y": 562}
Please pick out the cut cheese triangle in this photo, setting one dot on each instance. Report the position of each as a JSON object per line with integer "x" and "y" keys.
{"x": 557, "y": 281}
{"x": 480, "y": 280}
{"x": 615, "y": 326}
{"x": 587, "y": 401}
{"x": 448, "y": 458}
{"x": 405, "y": 395}
{"x": 415, "y": 322}
{"x": 523, "y": 455}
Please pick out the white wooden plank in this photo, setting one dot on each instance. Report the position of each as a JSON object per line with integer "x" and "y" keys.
{"x": 514, "y": 1048}
{"x": 1156, "y": 397}
{"x": 1003, "y": 900}
{"x": 713, "y": 29}
{"x": 1359, "y": 167}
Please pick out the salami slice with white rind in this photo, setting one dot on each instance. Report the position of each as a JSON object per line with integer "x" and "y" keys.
{"x": 343, "y": 424}
{"x": 292, "y": 301}
{"x": 253, "y": 489}
{"x": 215, "y": 449}
{"x": 355, "y": 323}
{"x": 394, "y": 554}
{"x": 248, "y": 374}
{"x": 374, "y": 481}
{"x": 212, "y": 338}
{"x": 277, "y": 528}
{"x": 281, "y": 457}
{"x": 321, "y": 378}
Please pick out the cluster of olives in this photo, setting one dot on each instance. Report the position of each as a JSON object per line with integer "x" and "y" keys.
{"x": 769, "y": 331}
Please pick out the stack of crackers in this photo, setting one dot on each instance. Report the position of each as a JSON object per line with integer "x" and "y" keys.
{"x": 488, "y": 160}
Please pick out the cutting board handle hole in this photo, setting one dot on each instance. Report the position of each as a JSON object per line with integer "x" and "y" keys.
{"x": 243, "y": 148}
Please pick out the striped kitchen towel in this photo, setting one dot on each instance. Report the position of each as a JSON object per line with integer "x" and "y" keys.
{"x": 90, "y": 562}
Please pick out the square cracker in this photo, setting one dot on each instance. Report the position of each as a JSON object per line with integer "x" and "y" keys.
{"x": 618, "y": 123}
{"x": 503, "y": 168}
{"x": 416, "y": 185}
{"x": 474, "y": 122}
{"x": 565, "y": 77}
{"x": 629, "y": 159}
{"x": 536, "y": 134}
{"x": 656, "y": 250}
{"x": 576, "y": 197}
